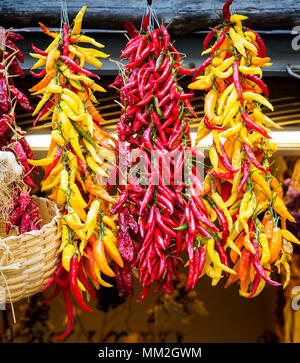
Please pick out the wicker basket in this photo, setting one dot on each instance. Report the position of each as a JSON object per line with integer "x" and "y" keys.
{"x": 28, "y": 261}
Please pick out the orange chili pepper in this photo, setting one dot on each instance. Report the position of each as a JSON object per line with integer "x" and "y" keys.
{"x": 232, "y": 278}
{"x": 248, "y": 245}
{"x": 100, "y": 256}
{"x": 89, "y": 266}
{"x": 275, "y": 244}
{"x": 244, "y": 269}
{"x": 44, "y": 82}
{"x": 239, "y": 243}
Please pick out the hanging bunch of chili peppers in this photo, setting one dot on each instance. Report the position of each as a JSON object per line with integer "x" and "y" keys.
{"x": 166, "y": 214}
{"x": 78, "y": 162}
{"x": 240, "y": 181}
{"x": 24, "y": 213}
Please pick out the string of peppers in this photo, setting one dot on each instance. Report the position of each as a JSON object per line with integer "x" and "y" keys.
{"x": 240, "y": 181}
{"x": 24, "y": 213}
{"x": 165, "y": 214}
{"x": 79, "y": 160}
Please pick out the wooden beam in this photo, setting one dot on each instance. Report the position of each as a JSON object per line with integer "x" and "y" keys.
{"x": 184, "y": 16}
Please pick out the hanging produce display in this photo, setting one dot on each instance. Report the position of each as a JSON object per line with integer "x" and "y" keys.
{"x": 240, "y": 180}
{"x": 161, "y": 210}
{"x": 77, "y": 164}
{"x": 18, "y": 209}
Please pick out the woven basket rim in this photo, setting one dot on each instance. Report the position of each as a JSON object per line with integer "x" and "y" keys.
{"x": 40, "y": 231}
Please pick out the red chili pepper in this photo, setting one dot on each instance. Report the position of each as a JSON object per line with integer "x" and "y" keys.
{"x": 39, "y": 51}
{"x": 220, "y": 175}
{"x": 222, "y": 255}
{"x": 225, "y": 161}
{"x": 190, "y": 249}
{"x": 189, "y": 107}
{"x": 202, "y": 259}
{"x": 147, "y": 197}
{"x": 163, "y": 199}
{"x": 212, "y": 127}
{"x": 253, "y": 159}
{"x": 162, "y": 225}
{"x": 166, "y": 87}
{"x": 245, "y": 171}
{"x": 236, "y": 80}
{"x": 260, "y": 43}
{"x": 202, "y": 68}
{"x": 186, "y": 72}
{"x": 130, "y": 28}
{"x": 70, "y": 313}
{"x": 166, "y": 37}
{"x": 226, "y": 11}
{"x": 67, "y": 60}
{"x": 66, "y": 39}
{"x": 44, "y": 110}
{"x": 218, "y": 44}
{"x": 224, "y": 225}
{"x": 120, "y": 203}
{"x": 54, "y": 163}
{"x": 255, "y": 285}
{"x": 84, "y": 281}
{"x": 73, "y": 274}
{"x": 201, "y": 217}
{"x": 260, "y": 270}
{"x": 53, "y": 296}
{"x": 209, "y": 36}
{"x": 146, "y": 100}
{"x": 38, "y": 75}
{"x": 261, "y": 84}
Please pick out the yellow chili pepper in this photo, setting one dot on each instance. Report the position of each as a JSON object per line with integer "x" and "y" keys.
{"x": 250, "y": 96}
{"x": 67, "y": 254}
{"x": 110, "y": 222}
{"x": 109, "y": 244}
{"x": 95, "y": 167}
{"x": 70, "y": 134}
{"x": 289, "y": 236}
{"x": 221, "y": 205}
{"x": 237, "y": 19}
{"x": 224, "y": 97}
{"x": 75, "y": 51}
{"x": 77, "y": 101}
{"x": 214, "y": 257}
{"x": 64, "y": 181}
{"x": 75, "y": 204}
{"x": 77, "y": 194}
{"x": 261, "y": 181}
{"x": 42, "y": 162}
{"x": 281, "y": 209}
{"x": 213, "y": 156}
{"x": 98, "y": 274}
{"x": 64, "y": 237}
{"x": 90, "y": 59}
{"x": 91, "y": 218}
{"x": 85, "y": 39}
{"x": 250, "y": 70}
{"x": 223, "y": 75}
{"x": 238, "y": 43}
{"x": 236, "y": 164}
{"x": 51, "y": 184}
{"x": 78, "y": 21}
{"x": 92, "y": 151}
{"x": 41, "y": 103}
{"x": 229, "y": 117}
{"x": 265, "y": 256}
{"x": 73, "y": 221}
{"x": 51, "y": 59}
{"x": 232, "y": 131}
